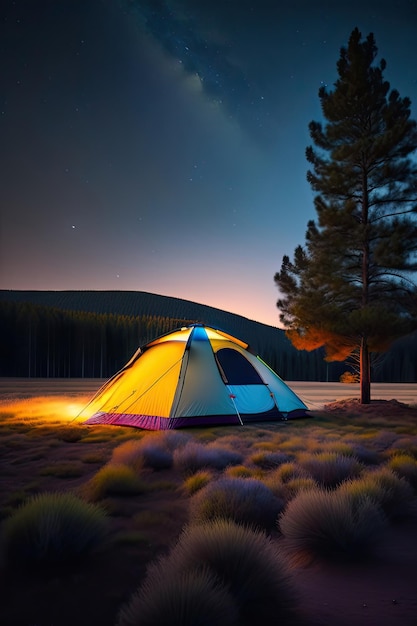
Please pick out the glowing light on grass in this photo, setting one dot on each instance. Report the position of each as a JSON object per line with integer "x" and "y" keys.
{"x": 58, "y": 409}
{"x": 74, "y": 409}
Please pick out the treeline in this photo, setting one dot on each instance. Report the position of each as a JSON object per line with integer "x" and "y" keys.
{"x": 47, "y": 342}
{"x": 50, "y": 342}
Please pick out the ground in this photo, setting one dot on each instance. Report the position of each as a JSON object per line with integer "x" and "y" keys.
{"x": 38, "y": 455}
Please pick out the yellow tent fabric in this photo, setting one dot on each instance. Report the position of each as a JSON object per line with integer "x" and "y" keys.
{"x": 193, "y": 376}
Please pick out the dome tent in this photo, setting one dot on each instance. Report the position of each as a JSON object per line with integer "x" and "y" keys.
{"x": 193, "y": 376}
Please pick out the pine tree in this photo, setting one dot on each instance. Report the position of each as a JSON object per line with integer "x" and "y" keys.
{"x": 350, "y": 288}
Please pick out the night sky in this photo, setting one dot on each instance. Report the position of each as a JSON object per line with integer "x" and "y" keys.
{"x": 159, "y": 145}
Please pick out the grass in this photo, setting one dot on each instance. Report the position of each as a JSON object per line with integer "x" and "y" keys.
{"x": 243, "y": 500}
{"x": 264, "y": 476}
{"x": 405, "y": 466}
{"x": 336, "y": 524}
{"x": 65, "y": 469}
{"x": 52, "y": 529}
{"x": 194, "y": 456}
{"x": 329, "y": 469}
{"x": 240, "y": 561}
{"x": 393, "y": 494}
{"x": 114, "y": 480}
{"x": 197, "y": 481}
{"x": 241, "y": 471}
{"x": 288, "y": 471}
{"x": 270, "y": 460}
{"x": 187, "y": 599}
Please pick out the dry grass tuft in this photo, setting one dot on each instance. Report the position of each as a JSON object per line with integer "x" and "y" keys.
{"x": 393, "y": 494}
{"x": 114, "y": 480}
{"x": 186, "y": 599}
{"x": 197, "y": 481}
{"x": 329, "y": 469}
{"x": 333, "y": 524}
{"x": 52, "y": 529}
{"x": 246, "y": 501}
{"x": 195, "y": 456}
{"x": 405, "y": 466}
{"x": 240, "y": 572}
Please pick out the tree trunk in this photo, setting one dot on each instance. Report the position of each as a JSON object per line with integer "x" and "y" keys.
{"x": 365, "y": 367}
{"x": 365, "y": 370}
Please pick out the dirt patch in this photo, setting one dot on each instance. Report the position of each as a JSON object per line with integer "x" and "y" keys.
{"x": 352, "y": 407}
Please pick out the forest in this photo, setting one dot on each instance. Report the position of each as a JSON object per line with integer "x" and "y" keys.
{"x": 44, "y": 341}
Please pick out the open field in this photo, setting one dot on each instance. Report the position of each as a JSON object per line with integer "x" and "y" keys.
{"x": 315, "y": 395}
{"x": 44, "y": 449}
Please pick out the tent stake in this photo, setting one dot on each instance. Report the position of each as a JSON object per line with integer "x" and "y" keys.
{"x": 237, "y": 412}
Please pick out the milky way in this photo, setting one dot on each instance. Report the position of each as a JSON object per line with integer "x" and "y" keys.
{"x": 160, "y": 145}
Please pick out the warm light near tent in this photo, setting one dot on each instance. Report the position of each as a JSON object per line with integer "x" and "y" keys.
{"x": 74, "y": 409}
{"x": 58, "y": 409}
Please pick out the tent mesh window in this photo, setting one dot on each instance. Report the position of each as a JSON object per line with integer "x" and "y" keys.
{"x": 236, "y": 369}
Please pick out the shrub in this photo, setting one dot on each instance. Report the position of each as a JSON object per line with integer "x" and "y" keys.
{"x": 294, "y": 444}
{"x": 364, "y": 488}
{"x": 71, "y": 434}
{"x": 405, "y": 466}
{"x": 186, "y": 599}
{"x": 407, "y": 444}
{"x": 155, "y": 455}
{"x": 246, "y": 501}
{"x": 197, "y": 481}
{"x": 247, "y": 562}
{"x": 173, "y": 439}
{"x": 330, "y": 469}
{"x": 365, "y": 455}
{"x": 128, "y": 453}
{"x": 384, "y": 439}
{"x": 149, "y": 452}
{"x": 393, "y": 494}
{"x": 194, "y": 456}
{"x": 53, "y": 528}
{"x": 337, "y": 447}
{"x": 349, "y": 377}
{"x": 270, "y": 460}
{"x": 65, "y": 469}
{"x": 287, "y": 472}
{"x": 294, "y": 486}
{"x": 94, "y": 457}
{"x": 114, "y": 480}
{"x": 331, "y": 523}
{"x": 240, "y": 471}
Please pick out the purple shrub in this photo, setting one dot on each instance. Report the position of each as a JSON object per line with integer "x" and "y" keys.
{"x": 194, "y": 456}
{"x": 179, "y": 599}
{"x": 397, "y": 497}
{"x": 331, "y": 523}
{"x": 247, "y": 501}
{"x": 270, "y": 460}
{"x": 52, "y": 529}
{"x": 329, "y": 469}
{"x": 173, "y": 439}
{"x": 247, "y": 562}
{"x": 156, "y": 456}
{"x": 405, "y": 466}
{"x": 365, "y": 455}
{"x": 148, "y": 452}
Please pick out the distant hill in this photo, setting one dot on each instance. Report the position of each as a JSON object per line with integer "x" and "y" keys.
{"x": 399, "y": 364}
{"x": 133, "y": 303}
{"x": 267, "y": 341}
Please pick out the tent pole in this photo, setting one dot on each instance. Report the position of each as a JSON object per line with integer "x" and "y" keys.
{"x": 237, "y": 412}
